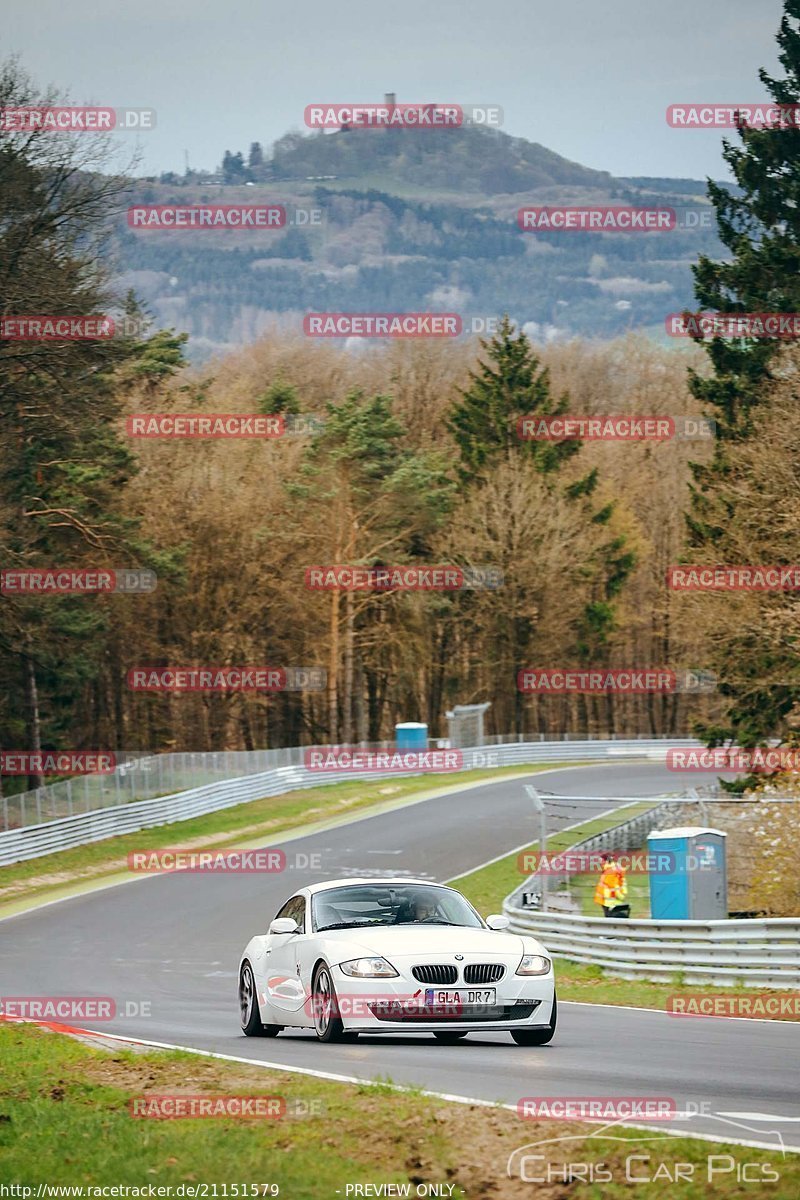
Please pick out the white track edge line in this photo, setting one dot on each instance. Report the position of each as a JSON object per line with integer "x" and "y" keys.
{"x": 399, "y": 1087}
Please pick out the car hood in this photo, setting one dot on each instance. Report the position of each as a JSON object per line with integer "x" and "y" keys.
{"x": 427, "y": 942}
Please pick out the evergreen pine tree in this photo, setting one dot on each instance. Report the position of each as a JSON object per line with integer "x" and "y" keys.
{"x": 510, "y": 385}
{"x": 759, "y": 222}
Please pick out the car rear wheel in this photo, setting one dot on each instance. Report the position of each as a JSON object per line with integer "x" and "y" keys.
{"x": 328, "y": 1025}
{"x": 537, "y": 1037}
{"x": 449, "y": 1036}
{"x": 248, "y": 1003}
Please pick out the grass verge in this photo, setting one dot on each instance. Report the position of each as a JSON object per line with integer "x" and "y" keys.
{"x": 65, "y": 1120}
{"x": 57, "y": 874}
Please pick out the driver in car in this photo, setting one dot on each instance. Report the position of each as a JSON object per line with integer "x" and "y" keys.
{"x": 417, "y": 910}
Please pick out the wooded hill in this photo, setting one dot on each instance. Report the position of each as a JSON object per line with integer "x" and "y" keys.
{"x": 413, "y": 222}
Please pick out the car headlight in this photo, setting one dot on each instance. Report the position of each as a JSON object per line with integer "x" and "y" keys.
{"x": 533, "y": 964}
{"x": 368, "y": 968}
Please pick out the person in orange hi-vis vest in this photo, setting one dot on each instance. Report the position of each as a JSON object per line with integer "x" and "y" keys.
{"x": 612, "y": 890}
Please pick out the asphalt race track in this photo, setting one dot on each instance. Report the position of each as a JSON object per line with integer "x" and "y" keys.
{"x": 174, "y": 941}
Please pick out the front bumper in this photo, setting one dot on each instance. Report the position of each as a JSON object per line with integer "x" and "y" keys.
{"x": 397, "y": 1006}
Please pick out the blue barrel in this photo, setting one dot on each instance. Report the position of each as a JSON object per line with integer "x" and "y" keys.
{"x": 411, "y": 735}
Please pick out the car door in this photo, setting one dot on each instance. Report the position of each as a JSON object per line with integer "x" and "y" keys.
{"x": 285, "y": 990}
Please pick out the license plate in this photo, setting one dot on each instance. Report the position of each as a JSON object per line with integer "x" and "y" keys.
{"x": 446, "y": 997}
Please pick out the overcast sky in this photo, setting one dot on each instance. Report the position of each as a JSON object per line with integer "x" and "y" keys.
{"x": 588, "y": 79}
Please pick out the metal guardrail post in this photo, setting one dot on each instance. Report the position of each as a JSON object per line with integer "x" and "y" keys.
{"x": 692, "y": 793}
{"x": 538, "y": 805}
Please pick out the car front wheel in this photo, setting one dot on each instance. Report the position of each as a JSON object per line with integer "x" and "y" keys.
{"x": 537, "y": 1037}
{"x": 328, "y": 1024}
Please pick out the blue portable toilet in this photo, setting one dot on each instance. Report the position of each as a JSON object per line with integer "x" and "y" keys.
{"x": 688, "y": 874}
{"x": 411, "y": 735}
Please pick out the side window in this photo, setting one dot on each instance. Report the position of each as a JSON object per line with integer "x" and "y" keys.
{"x": 295, "y": 908}
{"x": 299, "y": 912}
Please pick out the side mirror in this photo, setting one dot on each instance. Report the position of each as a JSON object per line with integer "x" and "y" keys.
{"x": 497, "y": 921}
{"x": 283, "y": 925}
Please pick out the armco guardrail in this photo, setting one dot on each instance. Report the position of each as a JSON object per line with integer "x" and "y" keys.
{"x": 749, "y": 952}
{"x": 144, "y": 776}
{"x": 48, "y": 836}
{"x": 33, "y": 841}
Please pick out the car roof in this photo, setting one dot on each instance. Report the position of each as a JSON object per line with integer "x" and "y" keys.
{"x": 369, "y": 881}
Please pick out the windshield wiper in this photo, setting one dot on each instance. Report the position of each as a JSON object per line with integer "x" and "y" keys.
{"x": 347, "y": 925}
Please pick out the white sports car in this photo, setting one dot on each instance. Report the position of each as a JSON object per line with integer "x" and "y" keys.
{"x": 394, "y": 956}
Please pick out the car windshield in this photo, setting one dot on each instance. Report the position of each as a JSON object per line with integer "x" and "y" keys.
{"x": 390, "y": 904}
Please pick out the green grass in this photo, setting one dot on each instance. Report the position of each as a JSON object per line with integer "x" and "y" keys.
{"x": 237, "y": 826}
{"x": 65, "y": 1120}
